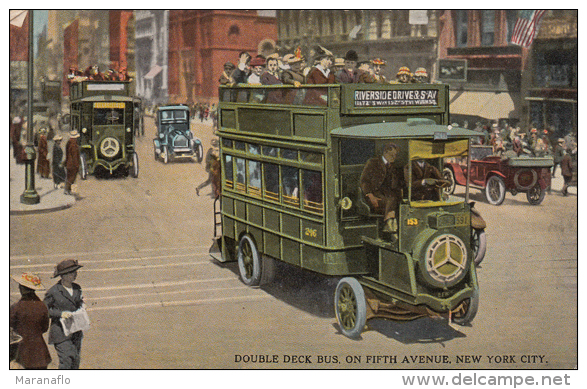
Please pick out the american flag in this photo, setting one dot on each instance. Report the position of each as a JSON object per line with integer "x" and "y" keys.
{"x": 526, "y": 27}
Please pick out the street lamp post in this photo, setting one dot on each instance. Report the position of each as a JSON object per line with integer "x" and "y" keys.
{"x": 30, "y": 195}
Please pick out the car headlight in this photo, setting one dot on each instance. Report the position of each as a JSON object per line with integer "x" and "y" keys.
{"x": 128, "y": 129}
{"x": 84, "y": 130}
{"x": 161, "y": 136}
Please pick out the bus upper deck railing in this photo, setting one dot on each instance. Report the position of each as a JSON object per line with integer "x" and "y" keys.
{"x": 349, "y": 98}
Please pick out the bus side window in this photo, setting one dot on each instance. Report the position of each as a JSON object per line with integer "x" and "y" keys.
{"x": 290, "y": 185}
{"x": 254, "y": 180}
{"x": 312, "y": 186}
{"x": 228, "y": 173}
{"x": 271, "y": 177}
{"x": 240, "y": 184}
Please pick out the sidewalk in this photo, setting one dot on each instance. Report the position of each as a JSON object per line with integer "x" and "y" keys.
{"x": 51, "y": 199}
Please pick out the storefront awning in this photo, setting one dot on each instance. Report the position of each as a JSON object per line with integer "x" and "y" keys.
{"x": 488, "y": 105}
{"x": 153, "y": 72}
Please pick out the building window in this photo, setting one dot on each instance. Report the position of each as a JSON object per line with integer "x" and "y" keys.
{"x": 554, "y": 69}
{"x": 234, "y": 30}
{"x": 461, "y": 24}
{"x": 487, "y": 28}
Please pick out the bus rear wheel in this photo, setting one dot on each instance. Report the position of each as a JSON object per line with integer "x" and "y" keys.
{"x": 249, "y": 261}
{"x": 350, "y": 307}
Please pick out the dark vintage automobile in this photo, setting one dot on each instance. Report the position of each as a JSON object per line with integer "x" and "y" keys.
{"x": 495, "y": 175}
{"x": 174, "y": 137}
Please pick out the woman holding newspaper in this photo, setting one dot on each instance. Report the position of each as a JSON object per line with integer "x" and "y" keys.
{"x": 68, "y": 315}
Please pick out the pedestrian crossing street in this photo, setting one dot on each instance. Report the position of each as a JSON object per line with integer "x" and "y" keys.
{"x": 149, "y": 277}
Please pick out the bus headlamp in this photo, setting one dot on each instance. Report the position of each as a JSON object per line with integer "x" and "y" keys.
{"x": 445, "y": 261}
{"x": 345, "y": 203}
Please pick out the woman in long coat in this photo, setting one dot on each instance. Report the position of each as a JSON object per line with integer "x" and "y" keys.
{"x": 72, "y": 162}
{"x": 56, "y": 163}
{"x": 29, "y": 318}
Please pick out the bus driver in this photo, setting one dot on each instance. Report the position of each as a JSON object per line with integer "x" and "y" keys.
{"x": 381, "y": 185}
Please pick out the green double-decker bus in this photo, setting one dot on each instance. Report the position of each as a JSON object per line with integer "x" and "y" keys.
{"x": 107, "y": 117}
{"x": 292, "y": 160}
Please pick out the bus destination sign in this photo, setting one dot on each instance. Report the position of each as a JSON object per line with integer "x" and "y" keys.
{"x": 396, "y": 98}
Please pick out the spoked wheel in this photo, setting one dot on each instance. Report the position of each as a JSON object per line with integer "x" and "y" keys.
{"x": 448, "y": 175}
{"x": 535, "y": 195}
{"x": 350, "y": 307}
{"x": 495, "y": 190}
{"x": 467, "y": 311}
{"x": 478, "y": 245}
{"x": 249, "y": 261}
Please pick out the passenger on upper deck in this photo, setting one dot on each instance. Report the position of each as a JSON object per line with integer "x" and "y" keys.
{"x": 420, "y": 76}
{"x": 243, "y": 70}
{"x": 293, "y": 75}
{"x": 321, "y": 73}
{"x": 378, "y": 65}
{"x": 338, "y": 66}
{"x": 258, "y": 66}
{"x": 404, "y": 75}
{"x": 271, "y": 75}
{"x": 349, "y": 74}
{"x": 365, "y": 73}
{"x": 226, "y": 76}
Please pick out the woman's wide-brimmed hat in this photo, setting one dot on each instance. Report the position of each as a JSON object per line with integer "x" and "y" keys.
{"x": 29, "y": 280}
{"x": 57, "y": 137}
{"x": 74, "y": 134}
{"x": 66, "y": 266}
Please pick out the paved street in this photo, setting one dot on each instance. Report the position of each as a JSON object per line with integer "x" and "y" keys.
{"x": 158, "y": 301}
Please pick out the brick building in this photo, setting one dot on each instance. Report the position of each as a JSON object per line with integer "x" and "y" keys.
{"x": 201, "y": 41}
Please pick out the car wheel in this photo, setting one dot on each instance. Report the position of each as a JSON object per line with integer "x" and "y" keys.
{"x": 448, "y": 175}
{"x": 467, "y": 311}
{"x": 165, "y": 154}
{"x": 535, "y": 195}
{"x": 249, "y": 261}
{"x": 495, "y": 190}
{"x": 478, "y": 245}
{"x": 83, "y": 167}
{"x": 135, "y": 165}
{"x": 350, "y": 307}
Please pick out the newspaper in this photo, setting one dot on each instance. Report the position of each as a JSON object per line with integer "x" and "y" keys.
{"x": 79, "y": 321}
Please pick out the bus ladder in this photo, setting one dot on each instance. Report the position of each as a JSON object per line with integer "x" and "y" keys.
{"x": 217, "y": 218}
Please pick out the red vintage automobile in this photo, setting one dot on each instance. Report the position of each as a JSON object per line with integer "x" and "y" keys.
{"x": 495, "y": 175}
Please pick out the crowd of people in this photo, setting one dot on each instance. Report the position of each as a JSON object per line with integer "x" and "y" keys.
{"x": 93, "y": 73}
{"x": 293, "y": 69}
{"x": 57, "y": 163}
{"x": 513, "y": 141}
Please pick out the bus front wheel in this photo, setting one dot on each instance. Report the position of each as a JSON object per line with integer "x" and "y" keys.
{"x": 350, "y": 306}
